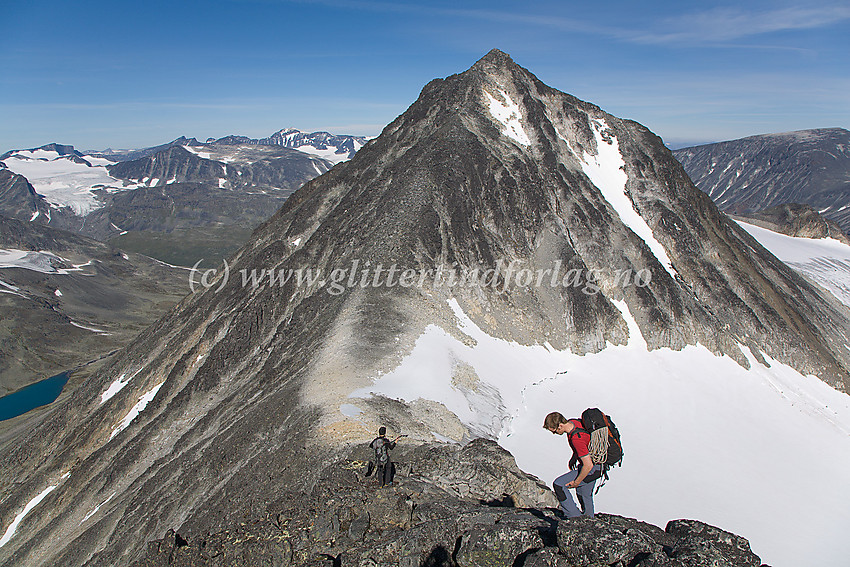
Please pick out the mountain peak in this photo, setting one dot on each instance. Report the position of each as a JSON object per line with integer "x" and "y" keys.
{"x": 496, "y": 57}
{"x": 498, "y": 65}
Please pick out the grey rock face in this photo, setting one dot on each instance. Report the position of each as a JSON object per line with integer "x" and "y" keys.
{"x": 810, "y": 167}
{"x": 246, "y": 383}
{"x": 18, "y": 198}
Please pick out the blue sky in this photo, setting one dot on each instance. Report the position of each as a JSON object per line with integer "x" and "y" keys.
{"x": 132, "y": 74}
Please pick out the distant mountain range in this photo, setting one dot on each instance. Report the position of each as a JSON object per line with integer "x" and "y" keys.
{"x": 322, "y": 144}
{"x": 332, "y": 147}
{"x": 180, "y": 202}
{"x": 147, "y": 199}
{"x": 749, "y": 175}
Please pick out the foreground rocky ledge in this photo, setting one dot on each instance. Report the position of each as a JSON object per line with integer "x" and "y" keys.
{"x": 449, "y": 506}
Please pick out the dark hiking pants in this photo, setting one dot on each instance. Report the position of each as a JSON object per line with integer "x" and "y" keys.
{"x": 584, "y": 493}
{"x": 385, "y": 473}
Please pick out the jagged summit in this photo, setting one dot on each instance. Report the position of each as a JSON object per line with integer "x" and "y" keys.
{"x": 494, "y": 58}
{"x": 566, "y": 232}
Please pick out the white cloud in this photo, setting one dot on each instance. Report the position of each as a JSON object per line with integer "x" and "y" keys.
{"x": 727, "y": 24}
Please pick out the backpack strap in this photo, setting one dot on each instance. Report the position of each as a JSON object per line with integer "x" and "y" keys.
{"x": 575, "y": 431}
{"x": 576, "y": 428}
{"x": 604, "y": 476}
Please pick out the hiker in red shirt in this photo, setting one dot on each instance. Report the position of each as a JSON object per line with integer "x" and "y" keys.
{"x": 582, "y": 478}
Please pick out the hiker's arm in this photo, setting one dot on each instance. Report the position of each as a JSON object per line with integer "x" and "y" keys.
{"x": 586, "y": 466}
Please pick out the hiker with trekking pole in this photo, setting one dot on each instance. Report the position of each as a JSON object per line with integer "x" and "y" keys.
{"x": 382, "y": 447}
{"x": 595, "y": 443}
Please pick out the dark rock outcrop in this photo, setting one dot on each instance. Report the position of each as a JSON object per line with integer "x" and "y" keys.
{"x": 347, "y": 521}
{"x": 19, "y": 200}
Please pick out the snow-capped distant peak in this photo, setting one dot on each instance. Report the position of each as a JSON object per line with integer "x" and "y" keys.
{"x": 332, "y": 147}
{"x": 64, "y": 176}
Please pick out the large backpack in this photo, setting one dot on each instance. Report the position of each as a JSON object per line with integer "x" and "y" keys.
{"x": 605, "y": 447}
{"x": 382, "y": 450}
{"x": 605, "y": 450}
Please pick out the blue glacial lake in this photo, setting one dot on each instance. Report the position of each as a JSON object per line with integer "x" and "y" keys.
{"x": 33, "y": 396}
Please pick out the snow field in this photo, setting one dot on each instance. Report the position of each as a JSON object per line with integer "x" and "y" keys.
{"x": 41, "y": 261}
{"x": 63, "y": 182}
{"x": 824, "y": 260}
{"x": 509, "y": 115}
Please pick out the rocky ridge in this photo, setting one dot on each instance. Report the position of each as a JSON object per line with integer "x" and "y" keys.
{"x": 130, "y": 155}
{"x": 484, "y": 512}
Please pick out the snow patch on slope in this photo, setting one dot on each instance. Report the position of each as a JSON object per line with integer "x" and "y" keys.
{"x": 13, "y": 527}
{"x": 143, "y": 402}
{"x": 41, "y": 261}
{"x": 96, "y": 508}
{"x": 331, "y": 153}
{"x": 509, "y": 116}
{"x": 605, "y": 171}
{"x": 117, "y": 386}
